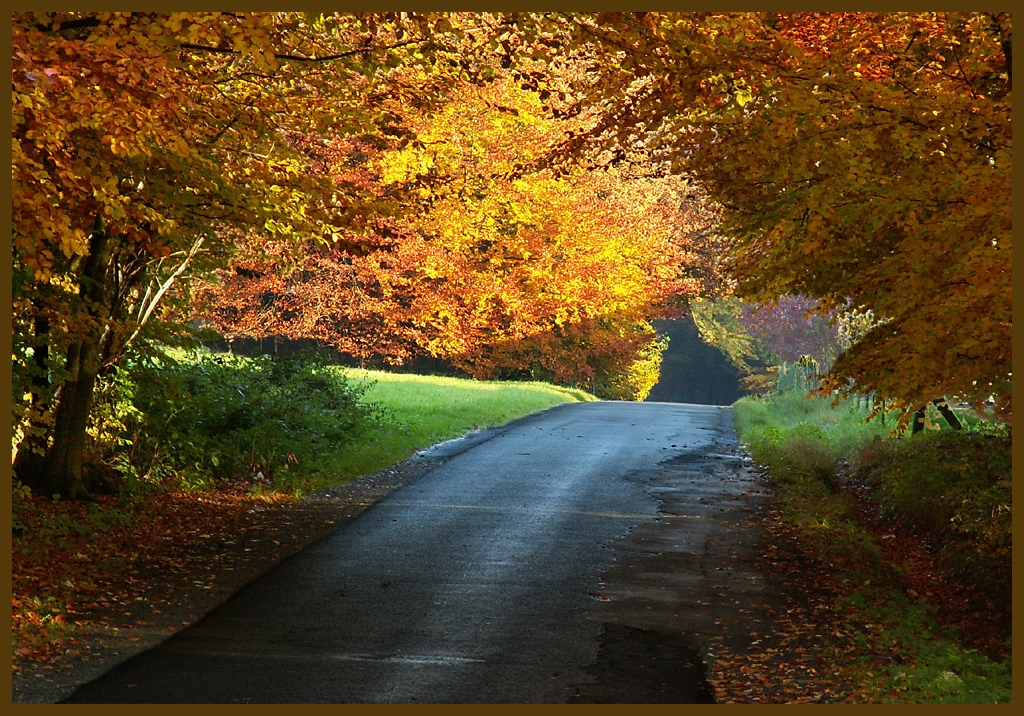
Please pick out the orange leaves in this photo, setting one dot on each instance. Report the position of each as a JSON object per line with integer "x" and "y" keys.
{"x": 549, "y": 258}
{"x": 872, "y": 153}
{"x": 145, "y": 143}
{"x": 85, "y": 98}
{"x": 501, "y": 268}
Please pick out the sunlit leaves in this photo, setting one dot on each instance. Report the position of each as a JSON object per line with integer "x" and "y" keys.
{"x": 502, "y": 270}
{"x": 871, "y": 162}
{"x": 145, "y": 144}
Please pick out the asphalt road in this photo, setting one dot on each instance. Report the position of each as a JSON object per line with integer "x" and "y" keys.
{"x": 573, "y": 556}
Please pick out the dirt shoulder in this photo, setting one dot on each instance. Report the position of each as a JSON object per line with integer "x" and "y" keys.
{"x": 197, "y": 551}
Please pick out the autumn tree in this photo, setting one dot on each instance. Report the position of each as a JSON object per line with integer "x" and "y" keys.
{"x": 859, "y": 158}
{"x": 759, "y": 339}
{"x": 144, "y": 145}
{"x": 556, "y": 274}
{"x": 503, "y": 271}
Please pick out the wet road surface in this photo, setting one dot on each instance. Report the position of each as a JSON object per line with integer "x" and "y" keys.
{"x": 573, "y": 556}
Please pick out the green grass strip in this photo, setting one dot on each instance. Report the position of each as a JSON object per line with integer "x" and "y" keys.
{"x": 423, "y": 410}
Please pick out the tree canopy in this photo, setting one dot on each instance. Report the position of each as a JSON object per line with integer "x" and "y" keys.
{"x": 143, "y": 144}
{"x": 513, "y": 192}
{"x": 499, "y": 271}
{"x": 858, "y": 157}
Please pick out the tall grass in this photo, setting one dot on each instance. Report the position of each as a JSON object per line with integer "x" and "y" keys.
{"x": 801, "y": 434}
{"x": 801, "y": 439}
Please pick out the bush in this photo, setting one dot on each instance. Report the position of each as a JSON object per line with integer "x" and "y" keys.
{"x": 955, "y": 486}
{"x": 218, "y": 417}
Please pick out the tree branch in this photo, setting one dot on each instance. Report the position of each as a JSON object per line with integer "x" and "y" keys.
{"x": 302, "y": 58}
{"x": 147, "y": 310}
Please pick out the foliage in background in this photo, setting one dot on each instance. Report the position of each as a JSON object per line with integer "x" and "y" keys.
{"x": 642, "y": 374}
{"x": 720, "y": 325}
{"x": 761, "y": 339}
{"x": 503, "y": 272}
{"x": 792, "y": 328}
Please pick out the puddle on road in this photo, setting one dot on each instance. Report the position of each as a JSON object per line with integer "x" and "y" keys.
{"x": 643, "y": 666}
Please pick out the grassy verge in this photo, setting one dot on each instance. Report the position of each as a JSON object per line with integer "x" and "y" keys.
{"x": 294, "y": 425}
{"x": 420, "y": 410}
{"x": 948, "y": 489}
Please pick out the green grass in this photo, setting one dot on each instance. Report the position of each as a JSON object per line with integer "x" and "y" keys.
{"x": 952, "y": 487}
{"x": 290, "y": 424}
{"x": 422, "y": 410}
{"x": 905, "y": 656}
{"x": 800, "y": 440}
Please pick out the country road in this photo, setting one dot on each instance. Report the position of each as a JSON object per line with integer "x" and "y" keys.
{"x": 585, "y": 554}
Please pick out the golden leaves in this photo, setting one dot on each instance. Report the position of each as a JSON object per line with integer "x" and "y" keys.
{"x": 864, "y": 170}
{"x": 500, "y": 267}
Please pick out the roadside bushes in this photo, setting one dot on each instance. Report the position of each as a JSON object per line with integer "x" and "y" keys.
{"x": 209, "y": 418}
{"x": 955, "y": 488}
{"x": 799, "y": 437}
{"x": 952, "y": 487}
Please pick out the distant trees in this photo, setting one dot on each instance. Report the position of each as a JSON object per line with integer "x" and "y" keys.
{"x": 758, "y": 339}
{"x": 500, "y": 270}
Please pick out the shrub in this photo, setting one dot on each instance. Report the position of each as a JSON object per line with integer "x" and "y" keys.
{"x": 219, "y": 417}
{"x": 955, "y": 486}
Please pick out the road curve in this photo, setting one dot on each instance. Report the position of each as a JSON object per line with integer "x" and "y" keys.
{"x": 505, "y": 575}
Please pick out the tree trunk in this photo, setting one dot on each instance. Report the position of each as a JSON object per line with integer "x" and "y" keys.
{"x": 918, "y": 425}
{"x": 64, "y": 460}
{"x": 948, "y": 414}
{"x": 59, "y": 472}
{"x": 27, "y": 461}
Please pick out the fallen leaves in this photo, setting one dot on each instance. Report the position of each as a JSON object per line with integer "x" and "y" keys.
{"x": 80, "y": 568}
{"x": 813, "y": 652}
{"x": 790, "y": 665}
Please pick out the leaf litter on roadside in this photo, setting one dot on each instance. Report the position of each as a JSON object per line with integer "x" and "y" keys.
{"x": 82, "y": 568}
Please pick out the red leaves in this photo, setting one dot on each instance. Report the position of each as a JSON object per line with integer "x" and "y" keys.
{"x": 797, "y": 655}
{"x": 77, "y": 570}
{"x": 499, "y": 270}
